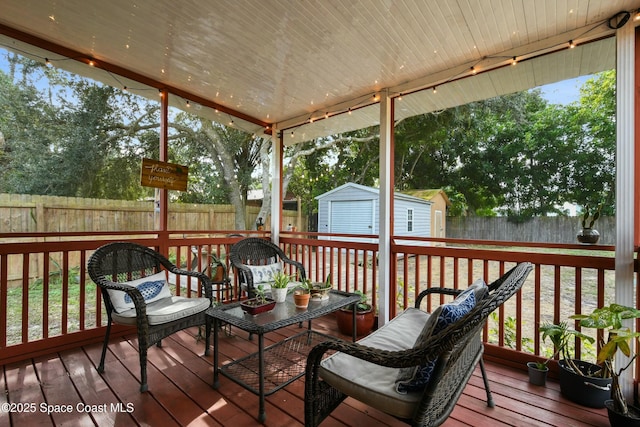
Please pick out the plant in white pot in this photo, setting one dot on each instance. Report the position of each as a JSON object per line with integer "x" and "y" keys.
{"x": 279, "y": 287}
{"x": 619, "y": 338}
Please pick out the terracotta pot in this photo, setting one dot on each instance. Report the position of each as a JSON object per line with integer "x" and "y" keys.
{"x": 364, "y": 321}
{"x": 301, "y": 300}
{"x": 219, "y": 274}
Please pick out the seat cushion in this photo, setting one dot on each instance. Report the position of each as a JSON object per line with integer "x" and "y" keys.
{"x": 165, "y": 310}
{"x": 152, "y": 288}
{"x": 371, "y": 383}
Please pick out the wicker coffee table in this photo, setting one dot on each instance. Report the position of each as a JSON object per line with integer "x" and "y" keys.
{"x": 283, "y": 362}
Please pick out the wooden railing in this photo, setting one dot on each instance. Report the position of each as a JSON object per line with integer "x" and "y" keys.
{"x": 53, "y": 305}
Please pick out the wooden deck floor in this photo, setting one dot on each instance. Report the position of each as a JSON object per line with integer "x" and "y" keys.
{"x": 68, "y": 386}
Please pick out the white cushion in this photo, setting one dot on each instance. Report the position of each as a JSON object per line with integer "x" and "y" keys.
{"x": 165, "y": 310}
{"x": 152, "y": 288}
{"x": 373, "y": 384}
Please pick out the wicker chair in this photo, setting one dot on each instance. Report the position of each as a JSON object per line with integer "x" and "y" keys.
{"x": 132, "y": 279}
{"x": 454, "y": 351}
{"x": 253, "y": 252}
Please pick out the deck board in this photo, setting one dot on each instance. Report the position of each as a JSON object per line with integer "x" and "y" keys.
{"x": 180, "y": 391}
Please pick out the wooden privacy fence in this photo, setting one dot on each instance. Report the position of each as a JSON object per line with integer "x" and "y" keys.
{"x": 24, "y": 213}
{"x": 548, "y": 229}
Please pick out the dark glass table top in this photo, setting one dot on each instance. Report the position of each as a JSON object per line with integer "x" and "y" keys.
{"x": 283, "y": 314}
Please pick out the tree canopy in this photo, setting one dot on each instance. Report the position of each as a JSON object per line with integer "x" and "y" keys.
{"x": 514, "y": 155}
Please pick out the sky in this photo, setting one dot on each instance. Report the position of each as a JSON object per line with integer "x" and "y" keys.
{"x": 563, "y": 92}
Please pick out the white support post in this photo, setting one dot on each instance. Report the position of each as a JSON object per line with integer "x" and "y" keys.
{"x": 625, "y": 122}
{"x": 385, "y": 224}
{"x": 276, "y": 184}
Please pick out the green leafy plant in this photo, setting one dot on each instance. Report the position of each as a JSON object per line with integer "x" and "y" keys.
{"x": 260, "y": 294}
{"x": 619, "y": 338}
{"x": 560, "y": 335}
{"x": 280, "y": 280}
{"x": 305, "y": 286}
{"x": 363, "y": 304}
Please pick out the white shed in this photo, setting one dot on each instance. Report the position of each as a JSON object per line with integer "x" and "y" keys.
{"x": 353, "y": 209}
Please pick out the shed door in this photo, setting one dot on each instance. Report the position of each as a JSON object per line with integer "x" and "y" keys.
{"x": 352, "y": 216}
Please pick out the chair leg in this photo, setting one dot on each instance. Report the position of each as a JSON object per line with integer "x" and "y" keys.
{"x": 207, "y": 339}
{"x": 142, "y": 350}
{"x": 104, "y": 347}
{"x": 490, "y": 403}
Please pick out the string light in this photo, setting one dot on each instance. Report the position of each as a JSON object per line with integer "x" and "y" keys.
{"x": 91, "y": 62}
{"x": 435, "y": 89}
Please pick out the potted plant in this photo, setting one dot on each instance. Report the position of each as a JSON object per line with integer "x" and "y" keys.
{"x": 365, "y": 316}
{"x": 302, "y": 293}
{"x": 559, "y": 335}
{"x": 279, "y": 287}
{"x": 258, "y": 304}
{"x": 217, "y": 268}
{"x": 619, "y": 338}
{"x": 588, "y": 234}
{"x": 320, "y": 291}
{"x": 581, "y": 382}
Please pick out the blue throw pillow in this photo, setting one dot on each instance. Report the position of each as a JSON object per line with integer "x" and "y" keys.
{"x": 448, "y": 314}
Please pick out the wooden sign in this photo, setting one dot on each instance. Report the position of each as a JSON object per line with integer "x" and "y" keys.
{"x": 164, "y": 175}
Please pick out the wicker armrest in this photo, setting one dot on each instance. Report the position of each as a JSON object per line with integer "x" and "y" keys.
{"x": 299, "y": 267}
{"x": 205, "y": 282}
{"x": 133, "y": 292}
{"x": 441, "y": 291}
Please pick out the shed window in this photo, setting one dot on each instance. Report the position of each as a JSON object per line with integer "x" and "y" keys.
{"x": 409, "y": 219}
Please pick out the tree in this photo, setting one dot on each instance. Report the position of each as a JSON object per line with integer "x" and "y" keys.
{"x": 513, "y": 154}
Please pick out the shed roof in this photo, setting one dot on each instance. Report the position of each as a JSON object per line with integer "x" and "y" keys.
{"x": 375, "y": 193}
{"x": 429, "y": 194}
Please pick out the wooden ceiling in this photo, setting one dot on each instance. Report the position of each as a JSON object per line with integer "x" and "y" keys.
{"x": 285, "y": 62}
